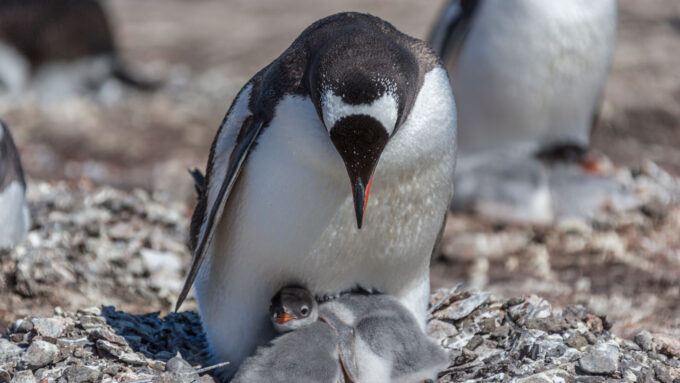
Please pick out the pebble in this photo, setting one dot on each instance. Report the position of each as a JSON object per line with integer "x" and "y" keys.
{"x": 666, "y": 345}
{"x": 82, "y": 374}
{"x": 90, "y": 311}
{"x": 463, "y": 308}
{"x": 441, "y": 330}
{"x": 601, "y": 359}
{"x": 105, "y": 334}
{"x": 178, "y": 365}
{"x": 9, "y": 352}
{"x": 644, "y": 340}
{"x": 23, "y": 377}
{"x": 40, "y": 354}
{"x": 49, "y": 327}
{"x": 108, "y": 349}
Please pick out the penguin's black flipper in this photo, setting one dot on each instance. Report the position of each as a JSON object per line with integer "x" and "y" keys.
{"x": 199, "y": 181}
{"x": 248, "y": 133}
{"x": 447, "y": 35}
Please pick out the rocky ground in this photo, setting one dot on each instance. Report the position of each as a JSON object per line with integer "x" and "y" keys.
{"x": 624, "y": 264}
{"x": 488, "y": 339}
{"x": 92, "y": 246}
{"x": 611, "y": 280}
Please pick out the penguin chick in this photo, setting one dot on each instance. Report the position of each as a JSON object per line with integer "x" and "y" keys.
{"x": 308, "y": 354}
{"x": 389, "y": 345}
{"x": 375, "y": 339}
{"x": 292, "y": 308}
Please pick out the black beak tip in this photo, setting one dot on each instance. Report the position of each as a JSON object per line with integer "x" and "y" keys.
{"x": 359, "y": 191}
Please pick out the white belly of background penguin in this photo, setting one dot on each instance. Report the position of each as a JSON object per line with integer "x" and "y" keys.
{"x": 528, "y": 73}
{"x": 351, "y": 97}
{"x": 528, "y": 77}
{"x": 14, "y": 215}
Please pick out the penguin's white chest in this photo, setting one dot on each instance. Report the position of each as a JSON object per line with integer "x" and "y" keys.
{"x": 14, "y": 215}
{"x": 292, "y": 217}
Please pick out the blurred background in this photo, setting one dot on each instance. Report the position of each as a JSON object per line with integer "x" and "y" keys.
{"x": 202, "y": 51}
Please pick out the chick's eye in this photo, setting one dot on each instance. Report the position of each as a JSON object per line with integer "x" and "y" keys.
{"x": 304, "y": 310}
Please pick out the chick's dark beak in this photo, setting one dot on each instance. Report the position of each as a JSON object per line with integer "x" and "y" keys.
{"x": 360, "y": 140}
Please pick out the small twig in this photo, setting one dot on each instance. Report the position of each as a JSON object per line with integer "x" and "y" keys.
{"x": 465, "y": 366}
{"x": 209, "y": 368}
{"x": 141, "y": 380}
{"x": 448, "y": 295}
{"x": 198, "y": 371}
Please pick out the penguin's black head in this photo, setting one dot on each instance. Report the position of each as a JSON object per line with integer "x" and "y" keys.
{"x": 293, "y": 307}
{"x": 363, "y": 84}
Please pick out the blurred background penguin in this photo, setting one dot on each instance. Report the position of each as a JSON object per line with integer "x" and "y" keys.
{"x": 529, "y": 77}
{"x": 59, "y": 47}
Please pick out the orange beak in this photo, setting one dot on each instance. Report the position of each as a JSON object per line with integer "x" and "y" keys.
{"x": 283, "y": 318}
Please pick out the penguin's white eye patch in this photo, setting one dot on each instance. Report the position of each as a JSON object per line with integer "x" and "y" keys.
{"x": 384, "y": 109}
{"x": 304, "y": 310}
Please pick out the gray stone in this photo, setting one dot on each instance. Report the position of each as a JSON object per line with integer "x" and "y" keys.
{"x": 577, "y": 341}
{"x": 23, "y": 377}
{"x": 461, "y": 309}
{"x": 662, "y": 373}
{"x": 644, "y": 340}
{"x": 106, "y": 334}
{"x": 9, "y": 352}
{"x": 601, "y": 359}
{"x": 549, "y": 376}
{"x": 108, "y": 349}
{"x": 81, "y": 374}
{"x": 40, "y": 354}
{"x": 440, "y": 330}
{"x": 49, "y": 327}
{"x": 51, "y": 374}
{"x": 133, "y": 358}
{"x": 94, "y": 310}
{"x": 92, "y": 321}
{"x": 178, "y": 365}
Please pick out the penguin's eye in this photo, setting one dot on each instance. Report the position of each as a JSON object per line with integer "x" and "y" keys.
{"x": 304, "y": 311}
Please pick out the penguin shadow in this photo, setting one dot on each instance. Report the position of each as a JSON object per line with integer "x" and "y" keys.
{"x": 161, "y": 338}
